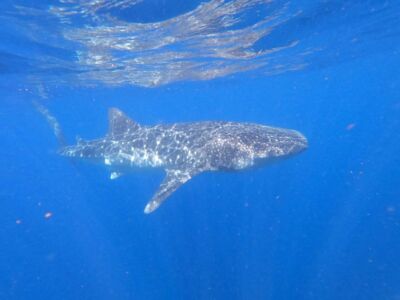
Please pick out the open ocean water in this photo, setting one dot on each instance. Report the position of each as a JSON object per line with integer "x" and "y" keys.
{"x": 324, "y": 224}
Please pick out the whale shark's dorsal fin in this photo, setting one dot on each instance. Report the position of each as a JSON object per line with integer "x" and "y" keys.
{"x": 79, "y": 140}
{"x": 119, "y": 123}
{"x": 172, "y": 181}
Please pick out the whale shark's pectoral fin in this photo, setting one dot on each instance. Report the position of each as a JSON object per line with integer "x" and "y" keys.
{"x": 172, "y": 181}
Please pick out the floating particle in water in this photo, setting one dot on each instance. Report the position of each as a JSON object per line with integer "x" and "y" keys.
{"x": 48, "y": 215}
{"x": 350, "y": 126}
{"x": 18, "y": 221}
{"x": 391, "y": 209}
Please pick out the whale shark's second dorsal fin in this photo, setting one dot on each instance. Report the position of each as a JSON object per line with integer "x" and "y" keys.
{"x": 79, "y": 140}
{"x": 119, "y": 123}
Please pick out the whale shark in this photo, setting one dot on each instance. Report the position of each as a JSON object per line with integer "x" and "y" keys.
{"x": 183, "y": 150}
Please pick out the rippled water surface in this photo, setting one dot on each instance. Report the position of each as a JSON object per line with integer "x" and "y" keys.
{"x": 148, "y": 43}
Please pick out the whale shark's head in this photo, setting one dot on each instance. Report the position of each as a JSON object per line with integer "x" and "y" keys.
{"x": 240, "y": 146}
{"x": 269, "y": 143}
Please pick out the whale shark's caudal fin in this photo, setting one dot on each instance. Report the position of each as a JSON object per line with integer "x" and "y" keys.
{"x": 52, "y": 122}
{"x": 172, "y": 181}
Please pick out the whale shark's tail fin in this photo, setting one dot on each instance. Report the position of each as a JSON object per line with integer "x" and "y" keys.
{"x": 52, "y": 122}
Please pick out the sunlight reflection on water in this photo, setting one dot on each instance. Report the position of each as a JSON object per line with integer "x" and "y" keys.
{"x": 215, "y": 39}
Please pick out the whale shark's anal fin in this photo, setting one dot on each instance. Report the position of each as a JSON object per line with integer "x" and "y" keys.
{"x": 172, "y": 181}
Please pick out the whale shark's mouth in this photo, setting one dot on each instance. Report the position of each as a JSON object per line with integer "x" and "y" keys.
{"x": 300, "y": 143}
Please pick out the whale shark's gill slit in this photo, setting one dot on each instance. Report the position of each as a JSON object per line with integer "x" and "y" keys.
{"x": 52, "y": 122}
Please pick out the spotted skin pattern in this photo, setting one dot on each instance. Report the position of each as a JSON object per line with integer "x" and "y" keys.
{"x": 185, "y": 149}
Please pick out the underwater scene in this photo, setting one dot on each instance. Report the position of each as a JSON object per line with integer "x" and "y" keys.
{"x": 200, "y": 149}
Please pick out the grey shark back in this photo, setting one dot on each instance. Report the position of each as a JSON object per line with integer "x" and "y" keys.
{"x": 184, "y": 150}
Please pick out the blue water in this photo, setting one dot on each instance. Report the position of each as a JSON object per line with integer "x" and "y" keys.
{"x": 324, "y": 224}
